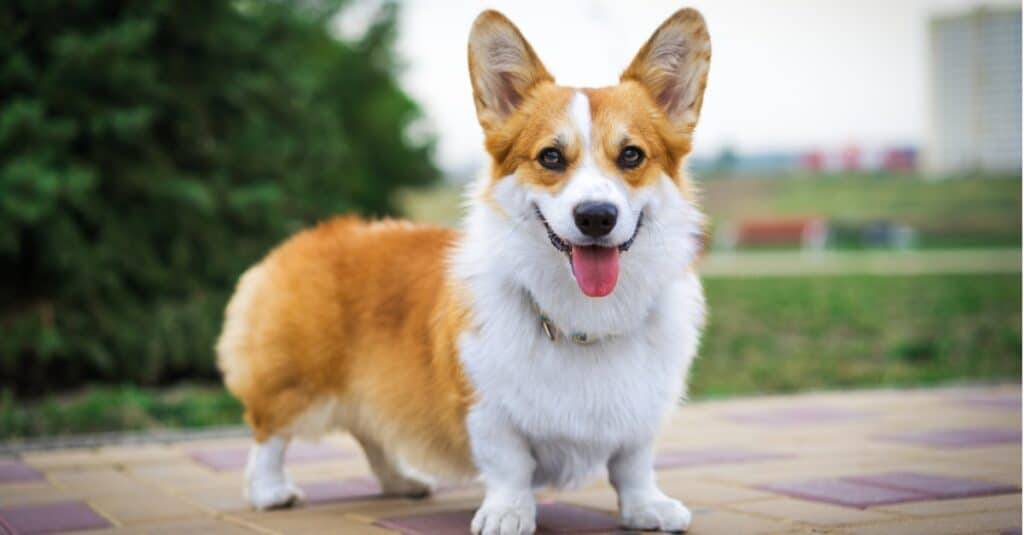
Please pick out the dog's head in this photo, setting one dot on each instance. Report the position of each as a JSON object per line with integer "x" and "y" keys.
{"x": 592, "y": 179}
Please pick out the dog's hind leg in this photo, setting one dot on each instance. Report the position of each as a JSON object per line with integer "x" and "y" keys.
{"x": 266, "y": 484}
{"x": 392, "y": 481}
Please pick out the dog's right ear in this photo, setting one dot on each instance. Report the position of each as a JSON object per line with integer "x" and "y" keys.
{"x": 503, "y": 67}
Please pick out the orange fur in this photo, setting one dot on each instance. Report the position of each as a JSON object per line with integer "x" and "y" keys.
{"x": 358, "y": 313}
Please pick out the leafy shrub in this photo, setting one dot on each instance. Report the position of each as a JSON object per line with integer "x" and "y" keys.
{"x": 150, "y": 151}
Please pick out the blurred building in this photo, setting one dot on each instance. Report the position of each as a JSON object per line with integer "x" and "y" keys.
{"x": 975, "y": 92}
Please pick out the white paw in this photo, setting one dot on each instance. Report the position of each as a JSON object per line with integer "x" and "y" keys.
{"x": 504, "y": 520}
{"x": 661, "y": 514}
{"x": 272, "y": 495}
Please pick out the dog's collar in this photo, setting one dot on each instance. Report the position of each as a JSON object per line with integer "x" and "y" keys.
{"x": 551, "y": 331}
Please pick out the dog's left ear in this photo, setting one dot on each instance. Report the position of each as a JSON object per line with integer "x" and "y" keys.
{"x": 673, "y": 67}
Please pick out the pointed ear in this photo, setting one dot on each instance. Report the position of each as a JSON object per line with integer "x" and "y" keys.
{"x": 502, "y": 66}
{"x": 673, "y": 67}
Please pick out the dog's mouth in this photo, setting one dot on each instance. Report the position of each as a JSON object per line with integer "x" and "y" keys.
{"x": 595, "y": 266}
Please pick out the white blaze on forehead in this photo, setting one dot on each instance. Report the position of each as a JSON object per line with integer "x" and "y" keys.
{"x": 579, "y": 112}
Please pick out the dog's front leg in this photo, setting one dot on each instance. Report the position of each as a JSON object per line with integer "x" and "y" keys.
{"x": 642, "y": 505}
{"x": 503, "y": 457}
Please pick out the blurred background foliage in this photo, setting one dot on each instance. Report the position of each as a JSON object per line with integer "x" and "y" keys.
{"x": 150, "y": 151}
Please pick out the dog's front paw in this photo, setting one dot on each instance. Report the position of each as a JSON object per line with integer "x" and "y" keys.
{"x": 272, "y": 495}
{"x": 661, "y": 513}
{"x": 499, "y": 519}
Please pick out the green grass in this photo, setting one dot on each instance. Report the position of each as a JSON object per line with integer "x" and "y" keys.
{"x": 118, "y": 408}
{"x": 787, "y": 334}
{"x": 960, "y": 212}
{"x": 764, "y": 336}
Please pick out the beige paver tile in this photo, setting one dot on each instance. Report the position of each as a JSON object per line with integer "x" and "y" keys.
{"x": 32, "y": 492}
{"x": 223, "y": 499}
{"x": 62, "y": 459}
{"x": 148, "y": 453}
{"x": 707, "y": 521}
{"x": 130, "y": 510}
{"x": 184, "y": 475}
{"x": 320, "y": 471}
{"x": 702, "y": 491}
{"x": 303, "y": 520}
{"x": 98, "y": 482}
{"x": 950, "y": 525}
{"x": 818, "y": 514}
{"x": 199, "y": 526}
{"x": 1008, "y": 502}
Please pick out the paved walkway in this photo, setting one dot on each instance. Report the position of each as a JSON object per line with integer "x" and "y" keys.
{"x": 916, "y": 262}
{"x": 886, "y": 462}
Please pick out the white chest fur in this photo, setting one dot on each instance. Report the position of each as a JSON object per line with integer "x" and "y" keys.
{"x": 576, "y": 405}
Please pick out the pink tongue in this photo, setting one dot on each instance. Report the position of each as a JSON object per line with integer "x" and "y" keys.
{"x": 596, "y": 269}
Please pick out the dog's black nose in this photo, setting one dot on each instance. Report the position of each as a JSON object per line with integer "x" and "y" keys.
{"x": 595, "y": 219}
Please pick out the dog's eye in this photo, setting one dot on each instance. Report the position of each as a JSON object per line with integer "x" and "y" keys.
{"x": 551, "y": 158}
{"x": 630, "y": 157}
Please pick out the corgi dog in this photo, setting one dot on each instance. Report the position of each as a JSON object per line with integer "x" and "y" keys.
{"x": 542, "y": 344}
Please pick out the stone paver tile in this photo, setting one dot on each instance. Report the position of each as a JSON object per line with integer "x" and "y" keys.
{"x": 697, "y": 490}
{"x": 141, "y": 453}
{"x": 200, "y": 526}
{"x": 559, "y": 517}
{"x": 51, "y": 518}
{"x": 950, "y": 525}
{"x": 17, "y": 471}
{"x": 304, "y": 521}
{"x": 552, "y": 517}
{"x": 63, "y": 459}
{"x": 222, "y": 499}
{"x": 442, "y": 523}
{"x": 840, "y": 492}
{"x": 320, "y": 470}
{"x": 818, "y": 514}
{"x": 798, "y": 416}
{"x": 183, "y": 475}
{"x": 935, "y": 486}
{"x": 330, "y": 491}
{"x": 693, "y": 457}
{"x": 956, "y": 506}
{"x": 957, "y": 438}
{"x": 1011, "y": 531}
{"x": 34, "y": 492}
{"x": 222, "y": 459}
{"x": 710, "y": 521}
{"x": 98, "y": 482}
{"x": 144, "y": 508}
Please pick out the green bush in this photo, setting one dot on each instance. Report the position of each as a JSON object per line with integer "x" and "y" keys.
{"x": 150, "y": 151}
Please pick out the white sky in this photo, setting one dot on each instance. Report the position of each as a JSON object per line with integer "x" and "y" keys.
{"x": 785, "y": 74}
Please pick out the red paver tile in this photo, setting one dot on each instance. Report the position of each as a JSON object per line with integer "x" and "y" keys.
{"x": 957, "y": 438}
{"x": 935, "y": 486}
{"x": 680, "y": 458}
{"x": 222, "y": 459}
{"x": 552, "y": 518}
{"x": 445, "y": 523}
{"x": 840, "y": 492}
{"x": 340, "y": 491}
{"x": 51, "y": 518}
{"x": 798, "y": 416}
{"x": 11, "y": 471}
{"x": 557, "y": 517}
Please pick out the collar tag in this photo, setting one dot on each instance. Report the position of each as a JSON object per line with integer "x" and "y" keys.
{"x": 549, "y": 330}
